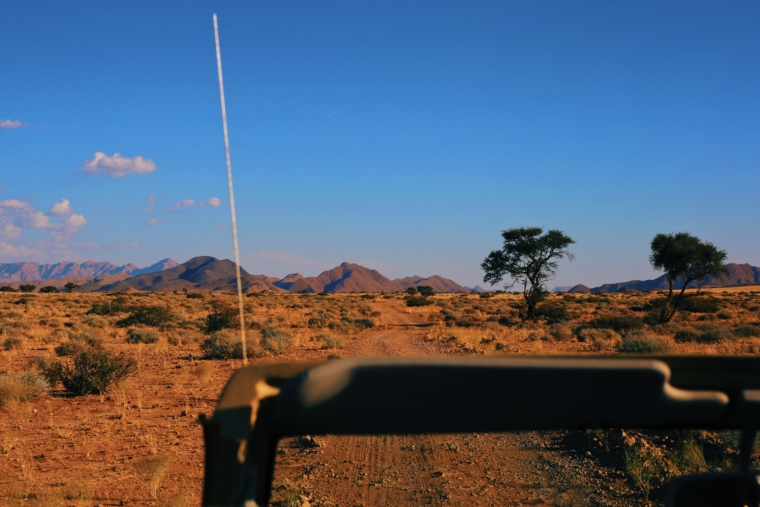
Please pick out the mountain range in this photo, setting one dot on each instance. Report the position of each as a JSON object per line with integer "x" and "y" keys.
{"x": 207, "y": 274}
{"x": 740, "y": 274}
{"x": 33, "y": 271}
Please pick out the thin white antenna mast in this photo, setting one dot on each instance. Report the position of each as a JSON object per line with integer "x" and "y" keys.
{"x": 232, "y": 194}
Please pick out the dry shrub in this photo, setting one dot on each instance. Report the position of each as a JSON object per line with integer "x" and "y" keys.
{"x": 329, "y": 341}
{"x": 13, "y": 342}
{"x": 686, "y": 336}
{"x": 645, "y": 465}
{"x": 690, "y": 458}
{"x": 93, "y": 371}
{"x": 22, "y": 387}
{"x": 222, "y": 316}
{"x": 180, "y": 499}
{"x": 642, "y": 341}
{"x": 79, "y": 343}
{"x": 226, "y": 345}
{"x": 204, "y": 371}
{"x": 141, "y": 336}
{"x": 152, "y": 470}
{"x": 561, "y": 332}
{"x": 747, "y": 331}
{"x": 276, "y": 340}
{"x": 712, "y": 333}
{"x": 600, "y": 339}
{"x": 152, "y": 316}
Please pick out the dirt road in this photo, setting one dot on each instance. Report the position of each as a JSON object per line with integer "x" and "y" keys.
{"x": 464, "y": 469}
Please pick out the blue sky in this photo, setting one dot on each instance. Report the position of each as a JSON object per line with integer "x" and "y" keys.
{"x": 403, "y": 136}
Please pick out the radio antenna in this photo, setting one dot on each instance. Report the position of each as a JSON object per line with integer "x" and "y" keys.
{"x": 232, "y": 194}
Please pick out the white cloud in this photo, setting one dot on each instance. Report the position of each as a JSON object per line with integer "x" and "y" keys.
{"x": 151, "y": 203}
{"x": 117, "y": 166}
{"x": 184, "y": 203}
{"x": 71, "y": 223}
{"x": 8, "y": 124}
{"x": 9, "y": 231}
{"x": 214, "y": 201}
{"x": 16, "y": 216}
{"x": 61, "y": 209}
{"x": 8, "y": 250}
{"x": 152, "y": 221}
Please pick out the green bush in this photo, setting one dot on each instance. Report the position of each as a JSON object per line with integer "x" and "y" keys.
{"x": 419, "y": 301}
{"x": 142, "y": 336}
{"x": 7, "y": 288}
{"x": 194, "y": 295}
{"x": 153, "y": 316}
{"x": 643, "y": 342}
{"x": 117, "y": 305}
{"x": 724, "y": 316}
{"x": 222, "y": 316}
{"x": 425, "y": 290}
{"x": 226, "y": 345}
{"x": 93, "y": 372}
{"x": 49, "y": 289}
{"x": 276, "y": 340}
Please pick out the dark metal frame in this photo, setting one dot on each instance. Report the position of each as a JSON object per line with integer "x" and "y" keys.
{"x": 402, "y": 395}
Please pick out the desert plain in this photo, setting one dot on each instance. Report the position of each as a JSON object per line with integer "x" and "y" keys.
{"x": 138, "y": 442}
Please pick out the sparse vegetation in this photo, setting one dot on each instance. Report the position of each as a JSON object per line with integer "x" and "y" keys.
{"x": 226, "y": 345}
{"x": 20, "y": 387}
{"x": 153, "y": 316}
{"x": 142, "y": 336}
{"x": 172, "y": 386}
{"x": 276, "y": 340}
{"x": 643, "y": 342}
{"x": 152, "y": 469}
{"x": 93, "y": 371}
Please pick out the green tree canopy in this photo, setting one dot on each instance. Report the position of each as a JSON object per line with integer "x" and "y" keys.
{"x": 529, "y": 258}
{"x": 687, "y": 259}
{"x": 27, "y": 287}
{"x": 425, "y": 290}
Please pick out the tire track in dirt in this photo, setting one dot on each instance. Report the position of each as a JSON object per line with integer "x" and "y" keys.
{"x": 462, "y": 469}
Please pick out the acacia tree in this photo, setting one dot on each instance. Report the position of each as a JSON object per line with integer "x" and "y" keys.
{"x": 529, "y": 258}
{"x": 685, "y": 258}
{"x": 70, "y": 286}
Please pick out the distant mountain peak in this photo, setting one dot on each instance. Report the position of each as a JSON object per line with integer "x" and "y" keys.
{"x": 33, "y": 271}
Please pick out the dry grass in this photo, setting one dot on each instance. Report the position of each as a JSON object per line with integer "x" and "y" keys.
{"x": 154, "y": 412}
{"x": 152, "y": 470}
